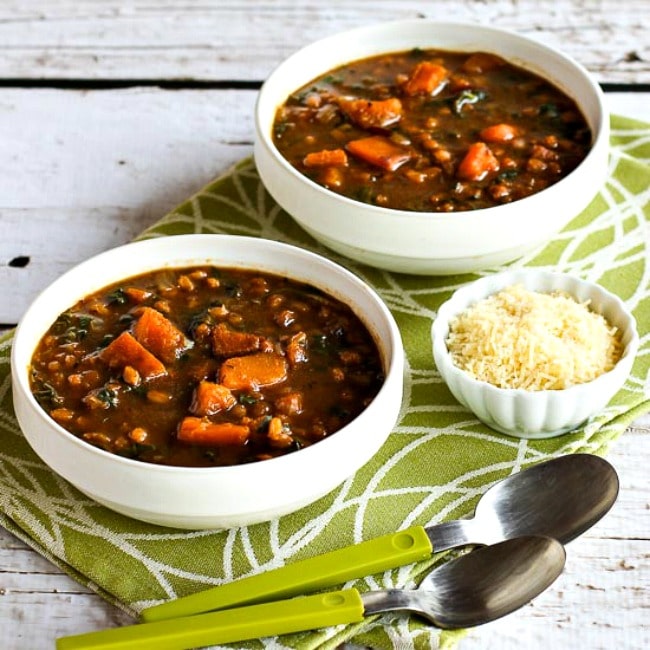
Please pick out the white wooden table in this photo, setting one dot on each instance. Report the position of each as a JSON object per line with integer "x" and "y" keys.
{"x": 113, "y": 112}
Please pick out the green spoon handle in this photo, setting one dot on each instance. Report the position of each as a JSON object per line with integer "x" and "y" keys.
{"x": 312, "y": 574}
{"x": 267, "y": 619}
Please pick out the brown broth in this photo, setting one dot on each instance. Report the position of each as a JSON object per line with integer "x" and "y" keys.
{"x": 281, "y": 366}
{"x": 432, "y": 131}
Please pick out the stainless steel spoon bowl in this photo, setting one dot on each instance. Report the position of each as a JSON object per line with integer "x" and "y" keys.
{"x": 561, "y": 498}
{"x": 478, "y": 587}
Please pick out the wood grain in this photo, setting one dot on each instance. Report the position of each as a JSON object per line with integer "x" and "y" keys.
{"x": 110, "y": 165}
{"x": 224, "y": 41}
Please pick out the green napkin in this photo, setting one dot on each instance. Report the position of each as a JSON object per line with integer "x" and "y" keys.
{"x": 434, "y": 466}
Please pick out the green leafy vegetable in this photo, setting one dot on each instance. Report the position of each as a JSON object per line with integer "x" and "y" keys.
{"x": 466, "y": 97}
{"x": 47, "y": 396}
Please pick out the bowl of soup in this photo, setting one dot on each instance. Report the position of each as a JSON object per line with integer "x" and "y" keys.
{"x": 207, "y": 381}
{"x": 427, "y": 147}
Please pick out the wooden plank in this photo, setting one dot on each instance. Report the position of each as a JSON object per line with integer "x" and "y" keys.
{"x": 176, "y": 39}
{"x": 112, "y": 163}
{"x": 151, "y": 148}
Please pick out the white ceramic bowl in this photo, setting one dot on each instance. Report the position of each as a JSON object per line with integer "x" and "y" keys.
{"x": 535, "y": 414}
{"x": 208, "y": 497}
{"x": 430, "y": 242}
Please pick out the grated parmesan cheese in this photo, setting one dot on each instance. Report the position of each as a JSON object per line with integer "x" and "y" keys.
{"x": 536, "y": 341}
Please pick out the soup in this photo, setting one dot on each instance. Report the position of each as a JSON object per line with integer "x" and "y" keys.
{"x": 432, "y": 131}
{"x": 206, "y": 366}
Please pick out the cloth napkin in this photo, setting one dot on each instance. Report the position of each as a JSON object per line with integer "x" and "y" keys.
{"x": 435, "y": 465}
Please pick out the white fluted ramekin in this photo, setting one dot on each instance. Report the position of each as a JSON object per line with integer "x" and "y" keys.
{"x": 544, "y": 413}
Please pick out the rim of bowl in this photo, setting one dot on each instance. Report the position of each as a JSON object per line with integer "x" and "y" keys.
{"x": 599, "y": 127}
{"x": 538, "y": 280}
{"x": 391, "y": 349}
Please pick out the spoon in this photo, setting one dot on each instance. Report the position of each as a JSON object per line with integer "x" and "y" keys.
{"x": 560, "y": 498}
{"x": 478, "y": 587}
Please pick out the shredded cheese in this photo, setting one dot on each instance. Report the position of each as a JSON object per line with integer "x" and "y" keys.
{"x": 536, "y": 341}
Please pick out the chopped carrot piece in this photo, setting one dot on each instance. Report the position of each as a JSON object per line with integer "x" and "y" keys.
{"x": 203, "y": 432}
{"x": 159, "y": 335}
{"x": 253, "y": 371}
{"x": 380, "y": 151}
{"x": 210, "y": 398}
{"x": 372, "y": 114}
{"x": 481, "y": 62}
{"x": 136, "y": 294}
{"x": 426, "y": 79}
{"x": 332, "y": 177}
{"x": 229, "y": 343}
{"x": 498, "y": 133}
{"x": 126, "y": 351}
{"x": 478, "y": 162}
{"x": 325, "y": 158}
